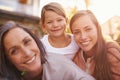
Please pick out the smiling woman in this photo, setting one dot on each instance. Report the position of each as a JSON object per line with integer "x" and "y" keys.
{"x": 22, "y": 52}
{"x": 97, "y": 56}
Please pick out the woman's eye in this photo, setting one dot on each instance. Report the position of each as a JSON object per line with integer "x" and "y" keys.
{"x": 76, "y": 32}
{"x": 49, "y": 22}
{"x": 88, "y": 29}
{"x": 27, "y": 41}
{"x": 14, "y": 51}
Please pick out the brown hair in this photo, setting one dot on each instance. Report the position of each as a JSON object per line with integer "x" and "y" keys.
{"x": 53, "y": 6}
{"x": 102, "y": 69}
{"x": 7, "y": 69}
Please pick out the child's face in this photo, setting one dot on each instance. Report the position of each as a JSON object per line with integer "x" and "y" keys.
{"x": 54, "y": 24}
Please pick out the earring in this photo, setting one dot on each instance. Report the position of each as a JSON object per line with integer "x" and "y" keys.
{"x": 23, "y": 73}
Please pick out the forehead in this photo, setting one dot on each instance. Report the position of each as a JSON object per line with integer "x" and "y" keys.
{"x": 51, "y": 14}
{"x": 82, "y": 21}
{"x": 15, "y": 36}
{"x": 16, "y": 32}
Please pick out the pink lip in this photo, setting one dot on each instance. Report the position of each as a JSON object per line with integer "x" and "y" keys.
{"x": 55, "y": 30}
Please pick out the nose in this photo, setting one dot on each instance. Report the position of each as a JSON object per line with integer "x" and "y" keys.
{"x": 26, "y": 52}
{"x": 55, "y": 23}
{"x": 83, "y": 35}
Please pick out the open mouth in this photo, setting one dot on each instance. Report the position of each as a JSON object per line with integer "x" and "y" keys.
{"x": 31, "y": 60}
{"x": 85, "y": 43}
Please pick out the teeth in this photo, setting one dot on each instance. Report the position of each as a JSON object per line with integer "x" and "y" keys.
{"x": 85, "y": 42}
{"x": 31, "y": 60}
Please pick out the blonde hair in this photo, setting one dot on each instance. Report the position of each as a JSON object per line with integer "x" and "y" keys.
{"x": 53, "y": 6}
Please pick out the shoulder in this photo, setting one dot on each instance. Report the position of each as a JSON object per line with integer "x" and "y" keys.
{"x": 113, "y": 51}
{"x": 113, "y": 55}
{"x": 73, "y": 43}
{"x": 44, "y": 37}
{"x": 112, "y": 46}
{"x": 58, "y": 63}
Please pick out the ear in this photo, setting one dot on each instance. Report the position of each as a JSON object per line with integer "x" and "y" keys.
{"x": 67, "y": 21}
{"x": 43, "y": 27}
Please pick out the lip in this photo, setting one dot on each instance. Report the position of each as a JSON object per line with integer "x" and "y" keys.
{"x": 85, "y": 43}
{"x": 55, "y": 29}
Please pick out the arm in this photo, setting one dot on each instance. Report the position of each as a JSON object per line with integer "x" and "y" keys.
{"x": 61, "y": 68}
{"x": 114, "y": 59}
{"x": 81, "y": 75}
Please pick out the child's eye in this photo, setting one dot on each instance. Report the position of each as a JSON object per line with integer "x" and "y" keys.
{"x": 88, "y": 29}
{"x": 49, "y": 22}
{"x": 59, "y": 19}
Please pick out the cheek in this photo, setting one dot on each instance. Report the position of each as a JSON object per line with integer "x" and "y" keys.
{"x": 76, "y": 38}
{"x": 94, "y": 35}
{"x": 16, "y": 60}
{"x": 47, "y": 26}
{"x": 96, "y": 38}
{"x": 63, "y": 23}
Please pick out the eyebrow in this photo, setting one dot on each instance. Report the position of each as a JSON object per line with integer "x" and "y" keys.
{"x": 25, "y": 38}
{"x": 87, "y": 26}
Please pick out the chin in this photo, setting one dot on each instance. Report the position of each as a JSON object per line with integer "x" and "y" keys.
{"x": 86, "y": 49}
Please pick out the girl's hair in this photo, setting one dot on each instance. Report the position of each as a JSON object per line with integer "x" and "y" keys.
{"x": 53, "y": 6}
{"x": 7, "y": 69}
{"x": 102, "y": 69}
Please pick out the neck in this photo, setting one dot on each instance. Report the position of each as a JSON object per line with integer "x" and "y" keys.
{"x": 61, "y": 41}
{"x": 88, "y": 54}
{"x": 58, "y": 38}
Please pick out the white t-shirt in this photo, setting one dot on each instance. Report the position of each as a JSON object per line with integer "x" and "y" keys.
{"x": 68, "y": 51}
{"x": 58, "y": 67}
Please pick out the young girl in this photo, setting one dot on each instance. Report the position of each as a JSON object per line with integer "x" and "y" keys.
{"x": 54, "y": 21}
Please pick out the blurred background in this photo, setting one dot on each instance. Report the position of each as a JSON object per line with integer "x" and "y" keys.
{"x": 28, "y": 12}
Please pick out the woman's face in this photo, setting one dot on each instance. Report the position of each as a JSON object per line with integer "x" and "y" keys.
{"x": 85, "y": 33}
{"x": 22, "y": 50}
{"x": 54, "y": 24}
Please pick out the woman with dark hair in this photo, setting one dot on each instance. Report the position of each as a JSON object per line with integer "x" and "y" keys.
{"x": 97, "y": 56}
{"x": 23, "y": 57}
